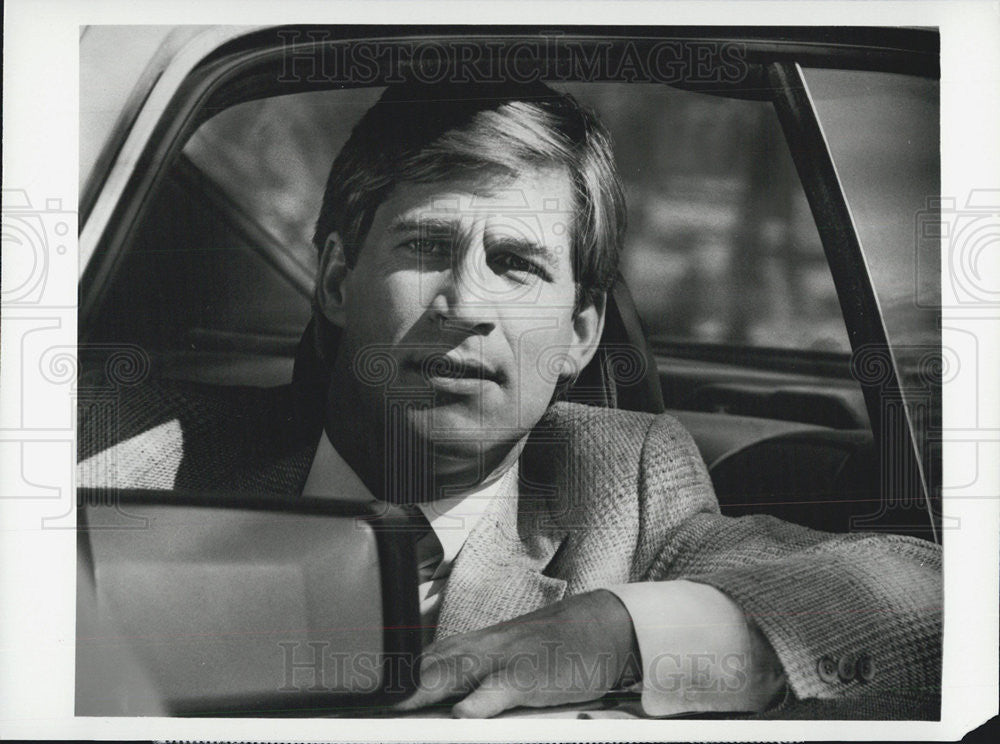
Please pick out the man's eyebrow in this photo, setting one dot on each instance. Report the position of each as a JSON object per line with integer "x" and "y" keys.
{"x": 423, "y": 225}
{"x": 527, "y": 248}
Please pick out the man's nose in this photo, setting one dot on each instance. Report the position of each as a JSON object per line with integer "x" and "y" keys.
{"x": 467, "y": 298}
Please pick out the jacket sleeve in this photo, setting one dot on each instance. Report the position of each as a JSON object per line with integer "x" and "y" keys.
{"x": 846, "y": 614}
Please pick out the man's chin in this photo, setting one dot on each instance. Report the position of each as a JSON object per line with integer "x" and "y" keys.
{"x": 464, "y": 447}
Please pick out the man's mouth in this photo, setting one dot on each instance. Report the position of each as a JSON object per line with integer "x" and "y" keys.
{"x": 454, "y": 372}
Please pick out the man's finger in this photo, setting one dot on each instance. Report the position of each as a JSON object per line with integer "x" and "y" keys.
{"x": 495, "y": 694}
{"x": 442, "y": 677}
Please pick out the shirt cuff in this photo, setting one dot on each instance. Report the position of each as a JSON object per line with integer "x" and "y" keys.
{"x": 698, "y": 651}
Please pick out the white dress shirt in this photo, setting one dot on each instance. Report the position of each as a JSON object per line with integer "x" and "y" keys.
{"x": 697, "y": 650}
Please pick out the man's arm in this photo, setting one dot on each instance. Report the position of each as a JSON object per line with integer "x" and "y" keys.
{"x": 845, "y": 614}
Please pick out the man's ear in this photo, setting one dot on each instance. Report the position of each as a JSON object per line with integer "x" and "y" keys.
{"x": 331, "y": 294}
{"x": 588, "y": 326}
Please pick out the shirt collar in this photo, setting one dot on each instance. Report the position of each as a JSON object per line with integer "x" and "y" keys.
{"x": 452, "y": 518}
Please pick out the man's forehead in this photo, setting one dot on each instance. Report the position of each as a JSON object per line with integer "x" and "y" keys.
{"x": 541, "y": 192}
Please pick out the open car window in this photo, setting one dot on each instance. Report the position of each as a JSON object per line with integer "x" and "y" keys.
{"x": 721, "y": 247}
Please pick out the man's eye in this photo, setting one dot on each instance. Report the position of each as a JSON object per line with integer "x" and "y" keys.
{"x": 428, "y": 247}
{"x": 512, "y": 262}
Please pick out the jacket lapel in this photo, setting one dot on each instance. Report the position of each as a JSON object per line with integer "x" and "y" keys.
{"x": 498, "y": 573}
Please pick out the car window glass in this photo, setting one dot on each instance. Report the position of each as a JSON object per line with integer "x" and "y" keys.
{"x": 883, "y": 133}
{"x": 272, "y": 156}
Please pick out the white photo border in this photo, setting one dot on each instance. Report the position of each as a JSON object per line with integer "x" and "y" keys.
{"x": 37, "y": 566}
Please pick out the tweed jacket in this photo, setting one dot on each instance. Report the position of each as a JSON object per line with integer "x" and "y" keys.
{"x": 603, "y": 497}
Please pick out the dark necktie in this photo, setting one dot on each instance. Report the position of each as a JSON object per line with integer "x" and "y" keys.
{"x": 428, "y": 556}
{"x": 428, "y": 547}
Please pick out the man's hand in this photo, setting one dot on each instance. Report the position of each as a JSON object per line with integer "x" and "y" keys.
{"x": 568, "y": 652}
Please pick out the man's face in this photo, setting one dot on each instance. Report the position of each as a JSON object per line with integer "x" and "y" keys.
{"x": 459, "y": 312}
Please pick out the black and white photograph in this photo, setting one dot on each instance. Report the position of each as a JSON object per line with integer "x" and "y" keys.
{"x": 550, "y": 371}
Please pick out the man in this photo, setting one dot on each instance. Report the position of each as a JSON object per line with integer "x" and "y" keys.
{"x": 468, "y": 238}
